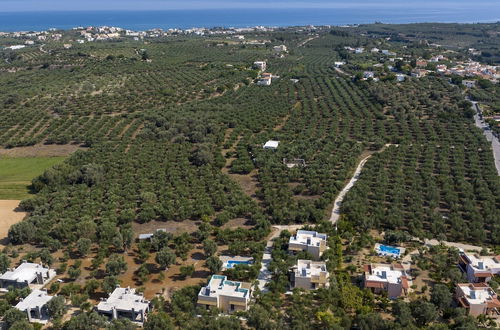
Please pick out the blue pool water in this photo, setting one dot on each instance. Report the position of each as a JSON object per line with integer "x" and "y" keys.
{"x": 232, "y": 263}
{"x": 389, "y": 249}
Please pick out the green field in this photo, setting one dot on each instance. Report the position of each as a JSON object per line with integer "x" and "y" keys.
{"x": 16, "y": 174}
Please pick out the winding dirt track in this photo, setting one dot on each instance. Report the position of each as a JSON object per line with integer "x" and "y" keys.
{"x": 338, "y": 201}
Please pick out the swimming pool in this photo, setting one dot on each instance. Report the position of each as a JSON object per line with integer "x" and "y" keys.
{"x": 232, "y": 263}
{"x": 386, "y": 249}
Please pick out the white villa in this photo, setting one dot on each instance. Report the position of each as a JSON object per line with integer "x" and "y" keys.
{"x": 264, "y": 81}
{"x": 386, "y": 277}
{"x": 35, "y": 306}
{"x": 260, "y": 65}
{"x": 310, "y": 275}
{"x": 26, "y": 274}
{"x": 280, "y": 49}
{"x": 477, "y": 298}
{"x": 125, "y": 302}
{"x": 226, "y": 295}
{"x": 310, "y": 241}
{"x": 479, "y": 268}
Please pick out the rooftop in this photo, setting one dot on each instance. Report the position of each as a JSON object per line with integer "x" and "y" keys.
{"x": 37, "y": 298}
{"x": 483, "y": 263}
{"x": 24, "y": 272}
{"x": 307, "y": 237}
{"x": 219, "y": 285}
{"x": 308, "y": 268}
{"x": 479, "y": 293}
{"x": 385, "y": 273}
{"x": 124, "y": 299}
{"x": 272, "y": 144}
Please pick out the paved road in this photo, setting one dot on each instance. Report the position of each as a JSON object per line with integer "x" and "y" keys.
{"x": 265, "y": 275}
{"x": 495, "y": 144}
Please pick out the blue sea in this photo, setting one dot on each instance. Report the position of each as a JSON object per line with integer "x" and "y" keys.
{"x": 143, "y": 20}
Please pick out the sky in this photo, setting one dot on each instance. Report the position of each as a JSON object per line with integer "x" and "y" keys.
{"x": 91, "y": 5}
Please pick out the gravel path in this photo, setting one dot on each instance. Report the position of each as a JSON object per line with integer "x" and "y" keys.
{"x": 334, "y": 217}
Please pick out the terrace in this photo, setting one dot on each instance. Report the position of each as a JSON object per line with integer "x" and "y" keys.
{"x": 229, "y": 262}
{"x": 34, "y": 305}
{"x": 310, "y": 241}
{"x": 125, "y": 302}
{"x": 310, "y": 275}
{"x": 224, "y": 294}
{"x": 478, "y": 298}
{"x": 386, "y": 277}
{"x": 479, "y": 268}
{"x": 389, "y": 251}
{"x": 26, "y": 274}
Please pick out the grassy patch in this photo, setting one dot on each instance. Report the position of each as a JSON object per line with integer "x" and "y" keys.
{"x": 16, "y": 174}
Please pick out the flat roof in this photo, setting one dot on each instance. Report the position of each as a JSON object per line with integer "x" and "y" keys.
{"x": 24, "y": 272}
{"x": 271, "y": 144}
{"x": 308, "y": 268}
{"x": 307, "y": 237}
{"x": 219, "y": 285}
{"x": 124, "y": 299}
{"x": 385, "y": 273}
{"x": 487, "y": 262}
{"x": 37, "y": 298}
{"x": 477, "y": 294}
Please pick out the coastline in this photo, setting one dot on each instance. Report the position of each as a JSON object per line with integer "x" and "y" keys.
{"x": 237, "y": 18}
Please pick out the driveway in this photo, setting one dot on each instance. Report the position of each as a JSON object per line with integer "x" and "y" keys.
{"x": 265, "y": 275}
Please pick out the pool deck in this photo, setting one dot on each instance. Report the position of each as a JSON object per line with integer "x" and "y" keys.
{"x": 225, "y": 259}
{"x": 387, "y": 253}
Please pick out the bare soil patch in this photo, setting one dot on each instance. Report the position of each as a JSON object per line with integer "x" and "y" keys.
{"x": 8, "y": 217}
{"x": 174, "y": 227}
{"x": 247, "y": 182}
{"x": 237, "y": 223}
{"x": 42, "y": 150}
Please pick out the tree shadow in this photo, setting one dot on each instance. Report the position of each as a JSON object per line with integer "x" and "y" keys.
{"x": 198, "y": 256}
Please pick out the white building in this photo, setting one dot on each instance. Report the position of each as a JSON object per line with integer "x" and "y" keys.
{"x": 310, "y": 275}
{"x": 313, "y": 242}
{"x": 280, "y": 49}
{"x": 16, "y": 47}
{"x": 386, "y": 277}
{"x": 26, "y": 274}
{"x": 388, "y": 53}
{"x": 260, "y": 65}
{"x": 477, "y": 298}
{"x": 338, "y": 64}
{"x": 271, "y": 144}
{"x": 148, "y": 236}
{"x": 469, "y": 83}
{"x": 266, "y": 81}
{"x": 35, "y": 306}
{"x": 228, "y": 296}
{"x": 479, "y": 268}
{"x": 124, "y": 302}
{"x": 368, "y": 74}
